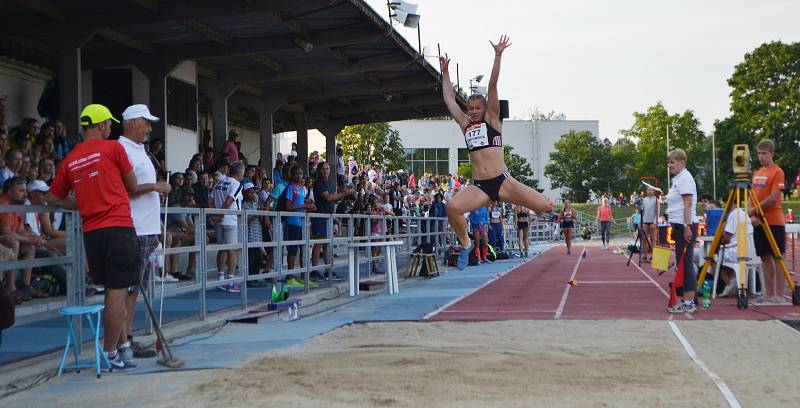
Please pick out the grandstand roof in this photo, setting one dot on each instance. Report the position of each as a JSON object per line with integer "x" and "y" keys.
{"x": 355, "y": 68}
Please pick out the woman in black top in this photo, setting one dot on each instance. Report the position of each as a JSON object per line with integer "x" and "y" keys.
{"x": 491, "y": 179}
{"x": 523, "y": 219}
{"x": 567, "y": 217}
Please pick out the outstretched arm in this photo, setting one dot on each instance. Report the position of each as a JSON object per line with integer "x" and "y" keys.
{"x": 493, "y": 111}
{"x": 450, "y": 96}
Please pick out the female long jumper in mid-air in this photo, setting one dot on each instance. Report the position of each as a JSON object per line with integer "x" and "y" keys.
{"x": 491, "y": 179}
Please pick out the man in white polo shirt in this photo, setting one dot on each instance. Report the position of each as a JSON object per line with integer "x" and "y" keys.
{"x": 145, "y": 207}
{"x": 227, "y": 194}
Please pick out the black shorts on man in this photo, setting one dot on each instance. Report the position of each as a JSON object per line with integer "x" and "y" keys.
{"x": 113, "y": 257}
{"x": 761, "y": 241}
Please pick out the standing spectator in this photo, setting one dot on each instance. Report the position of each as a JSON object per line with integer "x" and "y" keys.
{"x": 145, "y": 207}
{"x": 340, "y": 169}
{"x": 293, "y": 151}
{"x": 99, "y": 172}
{"x": 176, "y": 182}
{"x": 496, "y": 216}
{"x": 157, "y": 150}
{"x": 396, "y": 198}
{"x": 438, "y": 210}
{"x": 277, "y": 172}
{"x": 229, "y": 147}
{"x": 478, "y": 221}
{"x": 5, "y": 146}
{"x": 295, "y": 202}
{"x": 228, "y": 195}
{"x": 768, "y": 182}
{"x": 605, "y": 216}
{"x": 681, "y": 207}
{"x": 325, "y": 198}
{"x": 523, "y": 226}
{"x": 378, "y": 227}
{"x": 23, "y": 243}
{"x": 649, "y": 218}
{"x": 254, "y": 229}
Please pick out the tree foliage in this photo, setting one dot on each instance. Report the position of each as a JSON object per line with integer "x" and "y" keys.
{"x": 519, "y": 168}
{"x": 373, "y": 143}
{"x": 765, "y": 101}
{"x": 649, "y": 130}
{"x": 581, "y": 163}
{"x": 465, "y": 170}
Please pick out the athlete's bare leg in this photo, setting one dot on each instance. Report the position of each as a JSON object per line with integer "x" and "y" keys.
{"x": 469, "y": 199}
{"x": 514, "y": 192}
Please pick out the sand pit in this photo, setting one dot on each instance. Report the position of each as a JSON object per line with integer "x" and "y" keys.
{"x": 516, "y": 363}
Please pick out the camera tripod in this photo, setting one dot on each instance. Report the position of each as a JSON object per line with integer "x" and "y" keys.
{"x": 641, "y": 243}
{"x": 739, "y": 196}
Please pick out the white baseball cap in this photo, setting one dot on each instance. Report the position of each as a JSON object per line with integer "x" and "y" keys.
{"x": 248, "y": 186}
{"x": 138, "y": 111}
{"x": 38, "y": 185}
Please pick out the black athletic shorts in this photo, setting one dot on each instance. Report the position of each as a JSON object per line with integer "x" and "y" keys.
{"x": 492, "y": 186}
{"x": 113, "y": 256}
{"x": 762, "y": 243}
{"x": 567, "y": 224}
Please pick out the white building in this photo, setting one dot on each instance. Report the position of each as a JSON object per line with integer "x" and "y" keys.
{"x": 437, "y": 146}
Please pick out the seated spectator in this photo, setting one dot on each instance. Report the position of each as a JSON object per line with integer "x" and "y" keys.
{"x": 180, "y": 232}
{"x": 13, "y": 165}
{"x": 202, "y": 190}
{"x": 249, "y": 174}
{"x": 5, "y": 146}
{"x": 23, "y": 137}
{"x": 47, "y": 170}
{"x": 209, "y": 163}
{"x": 176, "y": 182}
{"x": 41, "y": 225}
{"x": 22, "y": 242}
{"x": 60, "y": 140}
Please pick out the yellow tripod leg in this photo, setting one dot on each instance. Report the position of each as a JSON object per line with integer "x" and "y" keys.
{"x": 774, "y": 245}
{"x": 712, "y": 250}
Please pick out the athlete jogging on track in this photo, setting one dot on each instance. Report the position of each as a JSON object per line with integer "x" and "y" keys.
{"x": 567, "y": 217}
{"x": 491, "y": 179}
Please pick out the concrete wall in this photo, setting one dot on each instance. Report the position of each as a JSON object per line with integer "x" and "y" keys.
{"x": 22, "y": 88}
{"x": 180, "y": 144}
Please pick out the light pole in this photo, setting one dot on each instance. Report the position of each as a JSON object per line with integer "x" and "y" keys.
{"x": 714, "y": 164}
{"x": 477, "y": 79}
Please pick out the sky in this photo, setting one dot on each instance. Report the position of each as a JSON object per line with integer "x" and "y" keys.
{"x": 605, "y": 60}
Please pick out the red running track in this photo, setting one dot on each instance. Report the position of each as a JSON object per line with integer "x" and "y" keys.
{"x": 606, "y": 289}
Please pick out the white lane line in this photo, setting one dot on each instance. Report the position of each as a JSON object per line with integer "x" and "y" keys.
{"x": 613, "y": 282}
{"x": 650, "y": 279}
{"x": 456, "y": 300}
{"x": 563, "y": 303}
{"x": 498, "y": 311}
{"x": 726, "y": 392}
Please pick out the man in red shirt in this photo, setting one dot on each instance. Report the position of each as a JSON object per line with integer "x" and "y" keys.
{"x": 768, "y": 184}
{"x": 100, "y": 174}
{"x": 14, "y": 235}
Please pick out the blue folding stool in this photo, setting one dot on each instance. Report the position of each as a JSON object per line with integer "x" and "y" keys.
{"x": 93, "y": 316}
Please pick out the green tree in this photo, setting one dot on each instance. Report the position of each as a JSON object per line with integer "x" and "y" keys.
{"x": 465, "y": 170}
{"x": 649, "y": 130}
{"x": 765, "y": 102}
{"x": 580, "y": 164}
{"x": 373, "y": 143}
{"x": 623, "y": 152}
{"x": 519, "y": 167}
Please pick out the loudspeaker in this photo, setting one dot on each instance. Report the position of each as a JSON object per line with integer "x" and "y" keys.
{"x": 503, "y": 109}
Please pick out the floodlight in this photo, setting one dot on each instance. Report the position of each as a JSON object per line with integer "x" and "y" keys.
{"x": 405, "y": 13}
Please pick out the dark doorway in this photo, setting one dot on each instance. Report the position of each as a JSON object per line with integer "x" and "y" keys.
{"x": 114, "y": 89}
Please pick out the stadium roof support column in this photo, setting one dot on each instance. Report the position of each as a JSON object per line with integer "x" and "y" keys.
{"x": 301, "y": 124}
{"x": 330, "y": 132}
{"x": 266, "y": 124}
{"x": 157, "y": 77}
{"x": 219, "y": 107}
{"x": 69, "y": 80}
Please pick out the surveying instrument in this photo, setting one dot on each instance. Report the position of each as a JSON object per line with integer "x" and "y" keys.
{"x": 741, "y": 196}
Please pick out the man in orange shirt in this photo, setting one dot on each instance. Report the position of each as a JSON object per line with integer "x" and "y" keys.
{"x": 767, "y": 186}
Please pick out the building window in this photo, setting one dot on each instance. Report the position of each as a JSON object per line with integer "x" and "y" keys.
{"x": 463, "y": 156}
{"x": 433, "y": 161}
{"x": 181, "y": 104}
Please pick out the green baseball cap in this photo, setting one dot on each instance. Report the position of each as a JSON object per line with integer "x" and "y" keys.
{"x": 94, "y": 114}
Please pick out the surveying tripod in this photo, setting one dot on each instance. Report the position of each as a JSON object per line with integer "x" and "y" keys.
{"x": 742, "y": 193}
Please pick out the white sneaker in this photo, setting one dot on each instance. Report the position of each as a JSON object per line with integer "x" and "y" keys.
{"x": 169, "y": 279}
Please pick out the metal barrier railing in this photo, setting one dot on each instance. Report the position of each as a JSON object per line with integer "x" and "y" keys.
{"x": 341, "y": 229}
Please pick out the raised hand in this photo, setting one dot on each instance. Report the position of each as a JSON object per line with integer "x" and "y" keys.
{"x": 444, "y": 63}
{"x": 501, "y": 45}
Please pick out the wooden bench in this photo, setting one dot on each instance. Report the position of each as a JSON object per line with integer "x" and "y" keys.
{"x": 418, "y": 260}
{"x": 390, "y": 256}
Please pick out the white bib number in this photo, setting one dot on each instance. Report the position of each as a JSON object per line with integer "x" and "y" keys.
{"x": 477, "y": 136}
